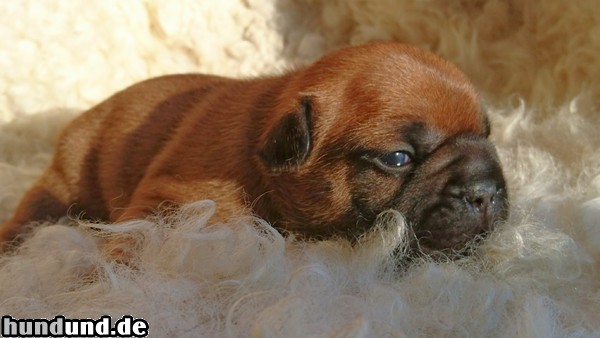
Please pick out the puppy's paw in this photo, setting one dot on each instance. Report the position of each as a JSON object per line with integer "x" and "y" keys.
{"x": 5, "y": 243}
{"x": 121, "y": 249}
{"x": 9, "y": 237}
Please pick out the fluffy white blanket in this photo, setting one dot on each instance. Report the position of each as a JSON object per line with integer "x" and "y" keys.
{"x": 536, "y": 63}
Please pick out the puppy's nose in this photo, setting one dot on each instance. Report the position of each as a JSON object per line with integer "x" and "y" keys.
{"x": 480, "y": 196}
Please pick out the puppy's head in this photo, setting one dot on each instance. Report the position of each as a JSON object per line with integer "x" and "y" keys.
{"x": 377, "y": 127}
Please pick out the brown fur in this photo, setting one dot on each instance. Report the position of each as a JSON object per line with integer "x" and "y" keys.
{"x": 182, "y": 138}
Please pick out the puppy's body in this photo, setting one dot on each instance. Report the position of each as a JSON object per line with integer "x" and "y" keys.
{"x": 309, "y": 151}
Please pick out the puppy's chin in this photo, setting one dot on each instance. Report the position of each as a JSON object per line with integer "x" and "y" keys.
{"x": 451, "y": 248}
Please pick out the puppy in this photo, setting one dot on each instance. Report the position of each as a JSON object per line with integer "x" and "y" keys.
{"x": 320, "y": 151}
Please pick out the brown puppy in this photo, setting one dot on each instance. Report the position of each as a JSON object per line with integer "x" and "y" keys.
{"x": 320, "y": 151}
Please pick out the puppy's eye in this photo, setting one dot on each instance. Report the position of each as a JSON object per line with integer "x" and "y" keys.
{"x": 394, "y": 160}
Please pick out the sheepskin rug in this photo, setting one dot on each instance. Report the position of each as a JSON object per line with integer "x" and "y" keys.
{"x": 536, "y": 63}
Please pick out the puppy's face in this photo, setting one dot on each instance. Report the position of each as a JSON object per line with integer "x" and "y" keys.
{"x": 378, "y": 127}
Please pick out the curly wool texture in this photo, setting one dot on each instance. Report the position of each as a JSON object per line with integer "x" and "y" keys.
{"x": 537, "y": 276}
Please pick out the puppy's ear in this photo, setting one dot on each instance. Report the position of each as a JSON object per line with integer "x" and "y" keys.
{"x": 288, "y": 142}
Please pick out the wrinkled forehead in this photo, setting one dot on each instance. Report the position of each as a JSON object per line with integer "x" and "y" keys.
{"x": 385, "y": 103}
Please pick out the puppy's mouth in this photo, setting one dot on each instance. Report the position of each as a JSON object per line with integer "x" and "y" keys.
{"x": 456, "y": 240}
{"x": 455, "y": 225}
